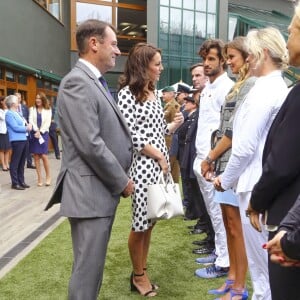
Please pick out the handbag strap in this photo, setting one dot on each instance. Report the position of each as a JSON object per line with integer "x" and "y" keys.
{"x": 161, "y": 178}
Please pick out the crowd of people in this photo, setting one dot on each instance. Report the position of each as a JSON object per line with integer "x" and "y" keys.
{"x": 234, "y": 142}
{"x": 24, "y": 132}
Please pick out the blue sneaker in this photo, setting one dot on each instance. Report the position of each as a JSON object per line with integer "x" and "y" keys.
{"x": 212, "y": 271}
{"x": 209, "y": 259}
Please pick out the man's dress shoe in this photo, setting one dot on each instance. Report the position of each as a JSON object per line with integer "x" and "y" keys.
{"x": 203, "y": 242}
{"x": 31, "y": 167}
{"x": 197, "y": 231}
{"x": 17, "y": 187}
{"x": 24, "y": 185}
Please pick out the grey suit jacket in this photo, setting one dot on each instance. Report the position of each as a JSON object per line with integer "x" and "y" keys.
{"x": 97, "y": 148}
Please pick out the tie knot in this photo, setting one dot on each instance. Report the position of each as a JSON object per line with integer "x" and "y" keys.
{"x": 103, "y": 82}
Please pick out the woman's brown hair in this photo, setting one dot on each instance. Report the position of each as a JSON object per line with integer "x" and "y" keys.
{"x": 135, "y": 72}
{"x": 45, "y": 101}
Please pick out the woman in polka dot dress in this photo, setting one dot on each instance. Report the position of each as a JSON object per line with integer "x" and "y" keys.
{"x": 139, "y": 104}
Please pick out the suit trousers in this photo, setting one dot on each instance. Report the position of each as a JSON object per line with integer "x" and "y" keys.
{"x": 215, "y": 213}
{"x": 54, "y": 140}
{"x": 256, "y": 255}
{"x": 284, "y": 281}
{"x": 184, "y": 186}
{"x": 90, "y": 239}
{"x": 28, "y": 154}
{"x": 17, "y": 162}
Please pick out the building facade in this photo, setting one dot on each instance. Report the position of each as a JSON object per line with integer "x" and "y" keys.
{"x": 38, "y": 36}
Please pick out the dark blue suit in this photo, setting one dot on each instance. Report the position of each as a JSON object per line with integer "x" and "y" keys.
{"x": 196, "y": 207}
{"x": 53, "y": 137}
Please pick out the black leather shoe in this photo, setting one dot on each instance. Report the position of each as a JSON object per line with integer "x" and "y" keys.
{"x": 58, "y": 157}
{"x": 209, "y": 245}
{"x": 187, "y": 218}
{"x": 24, "y": 185}
{"x": 197, "y": 231}
{"x": 203, "y": 241}
{"x": 203, "y": 250}
{"x": 191, "y": 227}
{"x": 17, "y": 187}
{"x": 201, "y": 225}
{"x": 31, "y": 167}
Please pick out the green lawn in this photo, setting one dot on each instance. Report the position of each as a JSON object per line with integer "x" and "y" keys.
{"x": 45, "y": 272}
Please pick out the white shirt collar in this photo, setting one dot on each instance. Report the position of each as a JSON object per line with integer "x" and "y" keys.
{"x": 217, "y": 80}
{"x": 95, "y": 71}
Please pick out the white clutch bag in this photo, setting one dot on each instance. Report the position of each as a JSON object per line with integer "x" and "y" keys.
{"x": 164, "y": 200}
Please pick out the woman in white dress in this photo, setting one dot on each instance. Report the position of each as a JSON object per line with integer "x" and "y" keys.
{"x": 267, "y": 57}
{"x": 139, "y": 103}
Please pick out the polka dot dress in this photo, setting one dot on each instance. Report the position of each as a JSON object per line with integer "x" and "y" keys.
{"x": 147, "y": 126}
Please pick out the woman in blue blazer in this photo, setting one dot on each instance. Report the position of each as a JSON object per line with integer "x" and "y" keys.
{"x": 17, "y": 128}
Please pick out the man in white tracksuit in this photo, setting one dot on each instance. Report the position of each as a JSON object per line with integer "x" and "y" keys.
{"x": 211, "y": 101}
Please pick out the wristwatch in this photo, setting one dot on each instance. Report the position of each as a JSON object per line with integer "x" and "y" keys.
{"x": 208, "y": 159}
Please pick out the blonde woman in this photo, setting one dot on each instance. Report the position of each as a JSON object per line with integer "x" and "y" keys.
{"x": 40, "y": 118}
{"x": 267, "y": 58}
{"x": 236, "y": 55}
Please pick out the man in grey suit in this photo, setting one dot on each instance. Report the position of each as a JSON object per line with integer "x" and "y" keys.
{"x": 97, "y": 155}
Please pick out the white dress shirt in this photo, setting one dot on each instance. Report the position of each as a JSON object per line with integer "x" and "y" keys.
{"x": 211, "y": 101}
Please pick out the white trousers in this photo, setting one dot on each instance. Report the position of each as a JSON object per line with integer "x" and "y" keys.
{"x": 215, "y": 213}
{"x": 256, "y": 255}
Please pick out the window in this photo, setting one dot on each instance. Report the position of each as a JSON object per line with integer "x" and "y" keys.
{"x": 10, "y": 76}
{"x": 86, "y": 11}
{"x": 1, "y": 73}
{"x": 22, "y": 79}
{"x": 55, "y": 87}
{"x": 10, "y": 91}
{"x": 184, "y": 25}
{"x": 54, "y": 7}
{"x": 47, "y": 85}
{"x": 40, "y": 83}
{"x": 132, "y": 27}
{"x": 128, "y": 16}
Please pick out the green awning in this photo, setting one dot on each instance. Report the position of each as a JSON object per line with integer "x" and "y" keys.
{"x": 26, "y": 69}
{"x": 18, "y": 66}
{"x": 50, "y": 76}
{"x": 259, "y": 18}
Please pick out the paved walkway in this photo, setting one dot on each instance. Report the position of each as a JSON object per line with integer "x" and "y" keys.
{"x": 23, "y": 221}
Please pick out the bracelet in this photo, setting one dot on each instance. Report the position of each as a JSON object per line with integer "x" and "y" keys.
{"x": 208, "y": 159}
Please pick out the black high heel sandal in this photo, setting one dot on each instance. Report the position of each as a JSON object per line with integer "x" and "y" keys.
{"x": 155, "y": 287}
{"x": 134, "y": 288}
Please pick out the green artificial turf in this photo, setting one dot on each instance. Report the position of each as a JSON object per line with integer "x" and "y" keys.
{"x": 45, "y": 272}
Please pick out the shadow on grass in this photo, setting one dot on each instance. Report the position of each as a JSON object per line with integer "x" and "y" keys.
{"x": 45, "y": 272}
